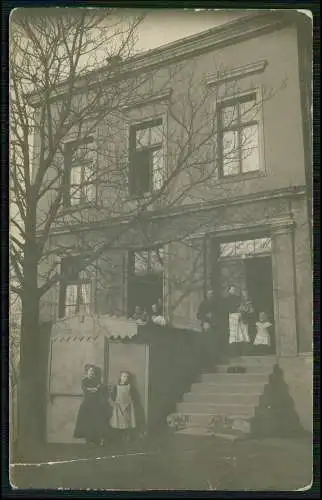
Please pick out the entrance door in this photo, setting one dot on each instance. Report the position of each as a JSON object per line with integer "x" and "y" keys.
{"x": 259, "y": 282}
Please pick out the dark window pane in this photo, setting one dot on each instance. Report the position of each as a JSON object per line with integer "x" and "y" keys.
{"x": 69, "y": 268}
{"x": 141, "y": 172}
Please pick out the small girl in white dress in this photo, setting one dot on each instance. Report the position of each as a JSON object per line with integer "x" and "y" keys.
{"x": 263, "y": 337}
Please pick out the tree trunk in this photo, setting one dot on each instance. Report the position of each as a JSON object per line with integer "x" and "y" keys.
{"x": 30, "y": 404}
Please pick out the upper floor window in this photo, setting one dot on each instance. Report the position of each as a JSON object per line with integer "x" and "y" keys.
{"x": 146, "y": 158}
{"x": 79, "y": 161}
{"x": 238, "y": 135}
{"x": 75, "y": 288}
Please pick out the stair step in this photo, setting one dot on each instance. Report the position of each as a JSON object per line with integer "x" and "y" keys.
{"x": 251, "y": 368}
{"x": 232, "y": 436}
{"x": 188, "y": 408}
{"x": 231, "y": 378}
{"x": 194, "y": 431}
{"x": 222, "y": 398}
{"x": 201, "y": 431}
{"x": 252, "y": 360}
{"x": 202, "y": 420}
{"x": 223, "y": 404}
{"x": 230, "y": 387}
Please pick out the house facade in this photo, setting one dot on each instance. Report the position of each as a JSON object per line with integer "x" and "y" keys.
{"x": 204, "y": 182}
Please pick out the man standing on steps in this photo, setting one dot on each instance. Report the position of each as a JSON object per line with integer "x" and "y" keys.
{"x": 207, "y": 316}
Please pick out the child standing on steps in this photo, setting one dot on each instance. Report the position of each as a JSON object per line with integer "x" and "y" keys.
{"x": 122, "y": 400}
{"x": 263, "y": 338}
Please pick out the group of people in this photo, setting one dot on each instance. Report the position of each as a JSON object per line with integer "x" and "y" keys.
{"x": 232, "y": 321}
{"x": 106, "y": 411}
{"x": 236, "y": 316}
{"x": 142, "y": 317}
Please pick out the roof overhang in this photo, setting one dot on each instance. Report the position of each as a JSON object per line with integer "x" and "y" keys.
{"x": 251, "y": 25}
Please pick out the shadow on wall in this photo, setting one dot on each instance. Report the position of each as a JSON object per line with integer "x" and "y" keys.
{"x": 138, "y": 406}
{"x": 276, "y": 415}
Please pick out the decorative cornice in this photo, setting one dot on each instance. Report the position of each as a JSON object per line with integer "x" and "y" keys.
{"x": 273, "y": 226}
{"x": 248, "y": 26}
{"x": 237, "y": 73}
{"x": 162, "y": 96}
{"x": 296, "y": 191}
{"x": 73, "y": 338}
{"x": 282, "y": 226}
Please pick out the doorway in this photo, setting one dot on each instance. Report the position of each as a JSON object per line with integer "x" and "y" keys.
{"x": 259, "y": 282}
{"x": 246, "y": 264}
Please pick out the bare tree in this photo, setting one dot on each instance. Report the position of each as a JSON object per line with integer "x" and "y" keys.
{"x": 62, "y": 98}
{"x": 49, "y": 47}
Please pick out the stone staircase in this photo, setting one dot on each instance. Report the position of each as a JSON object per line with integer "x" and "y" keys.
{"x": 223, "y": 403}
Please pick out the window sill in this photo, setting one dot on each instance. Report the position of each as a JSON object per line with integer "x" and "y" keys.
{"x": 80, "y": 206}
{"x": 139, "y": 197}
{"x": 242, "y": 177}
{"x": 143, "y": 197}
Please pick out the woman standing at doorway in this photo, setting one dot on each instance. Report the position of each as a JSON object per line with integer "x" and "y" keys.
{"x": 232, "y": 303}
{"x": 238, "y": 308}
{"x": 247, "y": 317}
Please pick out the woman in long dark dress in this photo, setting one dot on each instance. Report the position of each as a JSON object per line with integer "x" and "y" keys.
{"x": 93, "y": 414}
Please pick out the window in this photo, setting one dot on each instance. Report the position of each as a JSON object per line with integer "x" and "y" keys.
{"x": 148, "y": 261}
{"x": 146, "y": 158}
{"x": 75, "y": 289}
{"x": 245, "y": 248}
{"x": 238, "y": 136}
{"x": 145, "y": 279}
{"x": 79, "y": 160}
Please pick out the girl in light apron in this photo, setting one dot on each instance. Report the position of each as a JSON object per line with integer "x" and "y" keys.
{"x": 123, "y": 412}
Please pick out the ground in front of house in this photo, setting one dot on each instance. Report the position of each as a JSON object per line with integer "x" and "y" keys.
{"x": 171, "y": 462}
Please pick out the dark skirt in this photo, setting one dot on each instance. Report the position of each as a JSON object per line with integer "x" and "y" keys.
{"x": 92, "y": 421}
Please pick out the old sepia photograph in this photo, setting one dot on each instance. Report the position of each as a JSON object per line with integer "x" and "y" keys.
{"x": 161, "y": 290}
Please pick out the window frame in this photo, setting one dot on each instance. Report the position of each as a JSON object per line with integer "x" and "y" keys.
{"x": 239, "y": 98}
{"x": 75, "y": 279}
{"x": 134, "y": 127}
{"x": 70, "y": 148}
